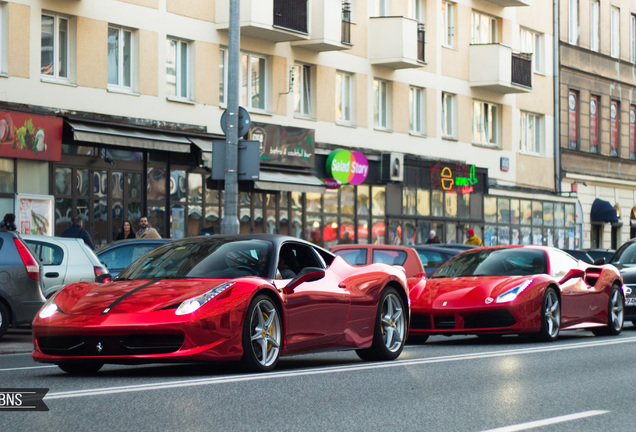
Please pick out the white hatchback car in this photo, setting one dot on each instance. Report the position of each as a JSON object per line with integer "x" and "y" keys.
{"x": 65, "y": 260}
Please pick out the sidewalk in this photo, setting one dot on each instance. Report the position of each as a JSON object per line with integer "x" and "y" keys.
{"x": 16, "y": 341}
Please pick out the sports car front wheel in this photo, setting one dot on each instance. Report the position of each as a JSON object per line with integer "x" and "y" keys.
{"x": 615, "y": 315}
{"x": 390, "y": 329}
{"x": 550, "y": 316}
{"x": 262, "y": 335}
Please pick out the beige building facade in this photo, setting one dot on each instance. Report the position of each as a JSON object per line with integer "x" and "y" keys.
{"x": 459, "y": 93}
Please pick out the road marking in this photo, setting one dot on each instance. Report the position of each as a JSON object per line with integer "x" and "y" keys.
{"x": 547, "y": 422}
{"x": 325, "y": 370}
{"x": 26, "y": 367}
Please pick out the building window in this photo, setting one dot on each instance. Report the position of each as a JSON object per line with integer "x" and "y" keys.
{"x": 222, "y": 76}
{"x": 302, "y": 90}
{"x": 530, "y": 132}
{"x": 448, "y": 17}
{"x": 632, "y": 132}
{"x": 417, "y": 10}
{"x": 573, "y": 120}
{"x": 632, "y": 38}
{"x": 344, "y": 83}
{"x": 55, "y": 47}
{"x": 615, "y": 43}
{"x": 449, "y": 114}
{"x": 178, "y": 69}
{"x": 253, "y": 81}
{"x": 484, "y": 29}
{"x": 380, "y": 104}
{"x": 120, "y": 58}
{"x": 595, "y": 29}
{"x": 484, "y": 123}
{"x": 417, "y": 102}
{"x": 381, "y": 8}
{"x": 573, "y": 33}
{"x": 615, "y": 127}
{"x": 532, "y": 43}
{"x": 595, "y": 105}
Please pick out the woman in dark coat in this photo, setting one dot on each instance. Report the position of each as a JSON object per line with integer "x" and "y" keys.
{"x": 127, "y": 231}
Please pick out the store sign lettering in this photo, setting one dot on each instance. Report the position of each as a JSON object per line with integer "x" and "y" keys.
{"x": 461, "y": 180}
{"x": 347, "y": 167}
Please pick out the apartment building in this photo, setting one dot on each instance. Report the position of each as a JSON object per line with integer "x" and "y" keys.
{"x": 597, "y": 41}
{"x": 445, "y": 108}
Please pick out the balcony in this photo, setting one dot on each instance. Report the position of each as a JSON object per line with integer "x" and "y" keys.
{"x": 506, "y": 3}
{"x": 273, "y": 20}
{"x": 403, "y": 49}
{"x": 495, "y": 67}
{"x": 330, "y": 26}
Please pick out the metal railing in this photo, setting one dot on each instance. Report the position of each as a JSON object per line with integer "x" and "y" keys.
{"x": 421, "y": 41}
{"x": 346, "y": 23}
{"x": 291, "y": 15}
{"x": 522, "y": 69}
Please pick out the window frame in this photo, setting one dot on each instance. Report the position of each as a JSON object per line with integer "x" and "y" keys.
{"x": 478, "y": 19}
{"x": 534, "y": 146}
{"x": 178, "y": 67}
{"x": 595, "y": 25}
{"x": 346, "y": 97}
{"x": 380, "y": 104}
{"x": 615, "y": 32}
{"x": 448, "y": 20}
{"x": 55, "y": 76}
{"x": 246, "y": 76}
{"x": 302, "y": 90}
{"x": 417, "y": 110}
{"x": 488, "y": 116}
{"x": 531, "y": 42}
{"x": 449, "y": 103}
{"x": 573, "y": 22}
{"x": 632, "y": 38}
{"x": 121, "y": 31}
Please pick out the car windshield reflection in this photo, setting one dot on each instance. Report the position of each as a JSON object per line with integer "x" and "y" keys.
{"x": 494, "y": 262}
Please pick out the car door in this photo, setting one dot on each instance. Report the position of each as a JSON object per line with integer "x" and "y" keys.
{"x": 316, "y": 312}
{"x": 54, "y": 259}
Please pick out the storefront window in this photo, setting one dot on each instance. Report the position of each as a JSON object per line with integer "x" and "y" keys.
{"x": 503, "y": 210}
{"x": 490, "y": 235}
{"x": 409, "y": 233}
{"x": 378, "y": 194}
{"x": 437, "y": 198}
{"x": 526, "y": 235}
{"x": 363, "y": 231}
{"x": 463, "y": 205}
{"x": 569, "y": 215}
{"x": 331, "y": 201}
{"x": 212, "y": 223}
{"x": 271, "y": 225}
{"x": 537, "y": 213}
{"x": 409, "y": 200}
{"x": 347, "y": 199}
{"x": 62, "y": 181}
{"x": 314, "y": 227}
{"x": 313, "y": 202}
{"x": 100, "y": 208}
{"x": 283, "y": 216}
{"x": 515, "y": 236}
{"x": 395, "y": 232}
{"x": 330, "y": 232}
{"x": 63, "y": 214}
{"x": 451, "y": 205}
{"x": 503, "y": 235}
{"x": 559, "y": 215}
{"x": 378, "y": 230}
{"x": 195, "y": 188}
{"x": 526, "y": 212}
{"x": 157, "y": 180}
{"x": 514, "y": 212}
{"x": 548, "y": 214}
{"x": 156, "y": 218}
{"x": 490, "y": 209}
{"x": 423, "y": 202}
{"x": 258, "y": 212}
{"x": 82, "y": 182}
{"x": 537, "y": 236}
{"x": 133, "y": 186}
{"x": 245, "y": 213}
{"x": 363, "y": 201}
{"x": 346, "y": 231}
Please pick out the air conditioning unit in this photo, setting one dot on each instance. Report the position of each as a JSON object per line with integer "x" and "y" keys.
{"x": 393, "y": 167}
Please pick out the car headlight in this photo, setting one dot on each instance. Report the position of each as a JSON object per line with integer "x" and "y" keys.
{"x": 195, "y": 303}
{"x": 50, "y": 307}
{"x": 512, "y": 293}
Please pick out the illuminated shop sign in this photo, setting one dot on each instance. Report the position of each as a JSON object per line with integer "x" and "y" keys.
{"x": 346, "y": 167}
{"x": 458, "y": 179}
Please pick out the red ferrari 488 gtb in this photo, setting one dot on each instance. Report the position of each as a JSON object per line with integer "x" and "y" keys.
{"x": 251, "y": 298}
{"x": 518, "y": 290}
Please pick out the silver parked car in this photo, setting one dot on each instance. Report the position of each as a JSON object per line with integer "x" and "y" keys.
{"x": 65, "y": 260}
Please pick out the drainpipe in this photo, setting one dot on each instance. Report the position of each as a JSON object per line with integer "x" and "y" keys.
{"x": 557, "y": 111}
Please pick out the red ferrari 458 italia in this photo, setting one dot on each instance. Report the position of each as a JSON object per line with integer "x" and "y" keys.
{"x": 249, "y": 298}
{"x": 518, "y": 290}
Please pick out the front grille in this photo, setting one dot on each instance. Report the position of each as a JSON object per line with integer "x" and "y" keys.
{"x": 444, "y": 322}
{"x": 112, "y": 345}
{"x": 495, "y": 319}
{"x": 420, "y": 322}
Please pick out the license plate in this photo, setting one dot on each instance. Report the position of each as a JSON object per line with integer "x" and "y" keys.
{"x": 630, "y": 301}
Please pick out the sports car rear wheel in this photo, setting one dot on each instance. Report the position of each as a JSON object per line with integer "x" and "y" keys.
{"x": 80, "y": 368}
{"x": 614, "y": 314}
{"x": 262, "y": 335}
{"x": 550, "y": 316}
{"x": 390, "y": 329}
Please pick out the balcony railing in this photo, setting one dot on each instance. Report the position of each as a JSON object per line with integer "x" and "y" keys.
{"x": 421, "y": 40}
{"x": 522, "y": 69}
{"x": 291, "y": 15}
{"x": 346, "y": 23}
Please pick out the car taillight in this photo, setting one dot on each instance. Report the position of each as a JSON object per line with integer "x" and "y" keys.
{"x": 101, "y": 274}
{"x": 30, "y": 263}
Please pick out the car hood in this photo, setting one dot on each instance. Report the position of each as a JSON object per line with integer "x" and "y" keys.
{"x": 465, "y": 291}
{"x": 130, "y": 296}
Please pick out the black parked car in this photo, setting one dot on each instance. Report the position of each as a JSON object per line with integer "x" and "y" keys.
{"x": 625, "y": 260}
{"x": 606, "y": 254}
{"x": 580, "y": 254}
{"x": 20, "y": 282}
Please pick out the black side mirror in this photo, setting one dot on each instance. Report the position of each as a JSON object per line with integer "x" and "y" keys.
{"x": 308, "y": 274}
{"x": 599, "y": 261}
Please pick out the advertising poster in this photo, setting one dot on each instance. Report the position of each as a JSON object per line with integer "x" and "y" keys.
{"x": 614, "y": 127}
{"x": 594, "y": 124}
{"x": 573, "y": 120}
{"x": 178, "y": 222}
{"x": 34, "y": 214}
{"x": 28, "y": 136}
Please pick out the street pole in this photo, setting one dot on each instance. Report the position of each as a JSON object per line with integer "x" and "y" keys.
{"x": 230, "y": 222}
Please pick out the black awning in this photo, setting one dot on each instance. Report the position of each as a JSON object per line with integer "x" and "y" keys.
{"x": 603, "y": 211}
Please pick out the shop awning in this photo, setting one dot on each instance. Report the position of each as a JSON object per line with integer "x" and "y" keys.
{"x": 122, "y": 137}
{"x": 290, "y": 182}
{"x": 603, "y": 211}
{"x": 204, "y": 144}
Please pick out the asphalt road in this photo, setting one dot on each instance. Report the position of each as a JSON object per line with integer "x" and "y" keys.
{"x": 579, "y": 383}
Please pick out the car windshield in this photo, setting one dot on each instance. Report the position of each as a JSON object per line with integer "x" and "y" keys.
{"x": 203, "y": 258}
{"x": 494, "y": 262}
{"x": 626, "y": 254}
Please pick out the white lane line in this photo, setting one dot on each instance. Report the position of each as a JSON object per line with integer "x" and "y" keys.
{"x": 26, "y": 367}
{"x": 319, "y": 371}
{"x": 547, "y": 422}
